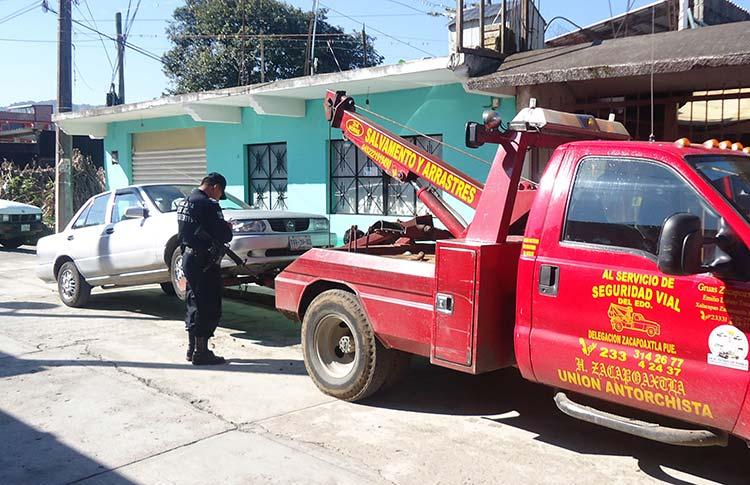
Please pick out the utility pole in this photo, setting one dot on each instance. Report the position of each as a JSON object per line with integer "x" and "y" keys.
{"x": 312, "y": 44}
{"x": 364, "y": 46}
{"x": 120, "y": 59}
{"x": 262, "y": 60}
{"x": 243, "y": 59}
{"x": 63, "y": 186}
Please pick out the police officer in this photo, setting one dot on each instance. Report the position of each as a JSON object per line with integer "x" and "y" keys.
{"x": 200, "y": 219}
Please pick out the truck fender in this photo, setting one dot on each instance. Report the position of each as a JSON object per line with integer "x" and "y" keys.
{"x": 316, "y": 288}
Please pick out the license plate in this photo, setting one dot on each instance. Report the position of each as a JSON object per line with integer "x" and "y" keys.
{"x": 300, "y": 243}
{"x": 25, "y": 227}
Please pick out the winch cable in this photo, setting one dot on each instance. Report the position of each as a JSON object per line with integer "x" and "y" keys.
{"x": 447, "y": 145}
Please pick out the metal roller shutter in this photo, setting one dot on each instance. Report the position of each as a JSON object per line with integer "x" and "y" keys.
{"x": 170, "y": 166}
{"x": 171, "y": 156}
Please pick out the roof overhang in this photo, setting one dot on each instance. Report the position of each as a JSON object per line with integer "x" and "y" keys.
{"x": 668, "y": 54}
{"x": 278, "y": 98}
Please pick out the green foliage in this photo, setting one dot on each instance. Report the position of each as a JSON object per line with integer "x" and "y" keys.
{"x": 208, "y": 53}
{"x": 36, "y": 185}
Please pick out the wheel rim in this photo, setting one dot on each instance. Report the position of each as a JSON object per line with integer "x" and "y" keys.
{"x": 335, "y": 345}
{"x": 177, "y": 272}
{"x": 68, "y": 284}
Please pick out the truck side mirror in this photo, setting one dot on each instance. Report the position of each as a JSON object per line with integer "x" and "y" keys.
{"x": 680, "y": 245}
{"x": 135, "y": 213}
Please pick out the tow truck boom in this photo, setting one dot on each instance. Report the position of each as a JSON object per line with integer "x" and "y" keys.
{"x": 405, "y": 162}
{"x": 408, "y": 163}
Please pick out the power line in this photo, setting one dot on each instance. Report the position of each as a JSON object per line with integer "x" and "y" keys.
{"x": 129, "y": 24}
{"x": 20, "y": 11}
{"x": 408, "y": 6}
{"x": 370, "y": 27}
{"x": 129, "y": 45}
{"x": 101, "y": 39}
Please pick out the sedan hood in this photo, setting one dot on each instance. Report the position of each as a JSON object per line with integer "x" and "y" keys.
{"x": 263, "y": 214}
{"x": 10, "y": 207}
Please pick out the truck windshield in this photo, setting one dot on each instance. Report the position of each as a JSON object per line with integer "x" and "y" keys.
{"x": 730, "y": 175}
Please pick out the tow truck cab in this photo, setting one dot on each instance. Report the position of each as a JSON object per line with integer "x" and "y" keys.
{"x": 629, "y": 283}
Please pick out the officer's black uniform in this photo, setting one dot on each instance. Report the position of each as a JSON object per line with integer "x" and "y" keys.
{"x": 202, "y": 274}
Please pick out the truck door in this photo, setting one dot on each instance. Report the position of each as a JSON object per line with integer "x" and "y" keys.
{"x": 606, "y": 322}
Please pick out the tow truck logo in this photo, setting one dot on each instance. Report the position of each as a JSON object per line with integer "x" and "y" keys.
{"x": 354, "y": 127}
{"x": 623, "y": 317}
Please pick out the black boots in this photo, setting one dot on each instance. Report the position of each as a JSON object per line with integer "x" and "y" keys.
{"x": 191, "y": 348}
{"x": 203, "y": 356}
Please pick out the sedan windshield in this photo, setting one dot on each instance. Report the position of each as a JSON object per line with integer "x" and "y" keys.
{"x": 167, "y": 197}
{"x": 730, "y": 175}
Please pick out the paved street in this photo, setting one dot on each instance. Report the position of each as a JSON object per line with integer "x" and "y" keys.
{"x": 103, "y": 395}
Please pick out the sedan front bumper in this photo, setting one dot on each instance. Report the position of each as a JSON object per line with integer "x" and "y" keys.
{"x": 269, "y": 251}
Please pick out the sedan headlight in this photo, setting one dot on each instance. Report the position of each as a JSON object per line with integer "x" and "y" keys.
{"x": 38, "y": 217}
{"x": 319, "y": 224}
{"x": 4, "y": 218}
{"x": 248, "y": 226}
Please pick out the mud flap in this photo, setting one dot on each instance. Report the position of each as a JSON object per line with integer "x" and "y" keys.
{"x": 643, "y": 429}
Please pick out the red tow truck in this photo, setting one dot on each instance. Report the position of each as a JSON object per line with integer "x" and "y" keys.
{"x": 623, "y": 276}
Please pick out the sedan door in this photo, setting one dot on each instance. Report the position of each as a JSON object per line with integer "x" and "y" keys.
{"x": 88, "y": 239}
{"x": 131, "y": 241}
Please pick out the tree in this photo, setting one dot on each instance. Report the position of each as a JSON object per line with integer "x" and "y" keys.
{"x": 213, "y": 39}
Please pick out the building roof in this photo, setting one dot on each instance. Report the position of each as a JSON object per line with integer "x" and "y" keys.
{"x": 282, "y": 98}
{"x": 638, "y": 22}
{"x": 635, "y": 22}
{"x": 673, "y": 52}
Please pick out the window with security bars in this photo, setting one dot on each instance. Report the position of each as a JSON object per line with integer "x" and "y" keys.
{"x": 268, "y": 176}
{"x": 359, "y": 186}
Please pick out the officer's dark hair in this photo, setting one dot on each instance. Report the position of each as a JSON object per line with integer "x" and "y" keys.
{"x": 214, "y": 178}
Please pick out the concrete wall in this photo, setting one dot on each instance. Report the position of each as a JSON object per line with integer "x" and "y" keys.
{"x": 434, "y": 110}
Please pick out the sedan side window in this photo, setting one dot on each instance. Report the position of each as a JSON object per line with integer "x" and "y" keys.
{"x": 123, "y": 202}
{"x": 98, "y": 211}
{"x": 624, "y": 203}
{"x": 81, "y": 221}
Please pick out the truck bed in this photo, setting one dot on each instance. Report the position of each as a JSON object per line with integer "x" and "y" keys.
{"x": 395, "y": 285}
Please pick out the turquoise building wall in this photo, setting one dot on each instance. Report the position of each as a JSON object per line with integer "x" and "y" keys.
{"x": 432, "y": 110}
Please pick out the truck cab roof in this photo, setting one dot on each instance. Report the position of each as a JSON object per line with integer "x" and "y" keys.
{"x": 648, "y": 149}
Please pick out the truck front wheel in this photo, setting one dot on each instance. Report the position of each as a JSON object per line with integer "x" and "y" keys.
{"x": 342, "y": 355}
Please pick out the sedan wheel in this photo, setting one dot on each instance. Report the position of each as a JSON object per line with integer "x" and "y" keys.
{"x": 177, "y": 275}
{"x": 73, "y": 289}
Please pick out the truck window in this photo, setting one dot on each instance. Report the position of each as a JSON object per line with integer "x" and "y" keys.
{"x": 624, "y": 203}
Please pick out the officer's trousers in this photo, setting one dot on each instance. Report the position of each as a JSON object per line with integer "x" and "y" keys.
{"x": 203, "y": 294}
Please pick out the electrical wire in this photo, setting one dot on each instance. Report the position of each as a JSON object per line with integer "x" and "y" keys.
{"x": 20, "y": 11}
{"x": 129, "y": 45}
{"x": 101, "y": 39}
{"x": 129, "y": 24}
{"x": 409, "y": 7}
{"x": 370, "y": 27}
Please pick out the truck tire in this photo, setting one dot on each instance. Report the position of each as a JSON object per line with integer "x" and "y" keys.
{"x": 73, "y": 289}
{"x": 168, "y": 288}
{"x": 175, "y": 273}
{"x": 342, "y": 355}
{"x": 12, "y": 243}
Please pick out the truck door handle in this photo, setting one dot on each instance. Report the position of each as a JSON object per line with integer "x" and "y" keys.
{"x": 549, "y": 278}
{"x": 109, "y": 230}
{"x": 444, "y": 303}
{"x": 70, "y": 238}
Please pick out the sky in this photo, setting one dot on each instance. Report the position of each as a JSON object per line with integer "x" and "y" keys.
{"x": 28, "y": 52}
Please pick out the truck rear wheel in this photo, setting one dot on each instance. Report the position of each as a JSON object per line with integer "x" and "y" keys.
{"x": 342, "y": 355}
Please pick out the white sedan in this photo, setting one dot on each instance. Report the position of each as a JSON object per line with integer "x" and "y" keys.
{"x": 129, "y": 237}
